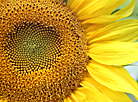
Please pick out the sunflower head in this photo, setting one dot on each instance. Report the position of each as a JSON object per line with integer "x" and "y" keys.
{"x": 42, "y": 50}
{"x": 53, "y": 52}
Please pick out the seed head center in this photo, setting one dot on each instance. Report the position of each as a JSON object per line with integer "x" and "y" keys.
{"x": 43, "y": 53}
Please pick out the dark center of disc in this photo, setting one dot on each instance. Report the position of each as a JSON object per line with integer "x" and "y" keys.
{"x": 32, "y": 47}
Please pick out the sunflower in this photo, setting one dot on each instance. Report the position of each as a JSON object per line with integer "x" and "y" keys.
{"x": 51, "y": 51}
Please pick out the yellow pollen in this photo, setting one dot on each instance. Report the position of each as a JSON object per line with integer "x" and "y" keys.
{"x": 42, "y": 51}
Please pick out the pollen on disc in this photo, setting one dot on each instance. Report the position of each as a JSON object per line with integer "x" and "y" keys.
{"x": 42, "y": 51}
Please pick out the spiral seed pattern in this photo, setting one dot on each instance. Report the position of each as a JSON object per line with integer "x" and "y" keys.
{"x": 42, "y": 51}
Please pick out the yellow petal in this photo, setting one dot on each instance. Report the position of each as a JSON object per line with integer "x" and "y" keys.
{"x": 113, "y": 52}
{"x": 80, "y": 6}
{"x": 126, "y": 30}
{"x": 67, "y": 99}
{"x": 94, "y": 27}
{"x": 114, "y": 77}
{"x": 74, "y": 4}
{"x": 126, "y": 11}
{"x": 99, "y": 11}
{"x": 69, "y": 2}
{"x": 102, "y": 19}
{"x": 113, "y": 95}
{"x": 90, "y": 94}
{"x": 73, "y": 96}
{"x": 93, "y": 8}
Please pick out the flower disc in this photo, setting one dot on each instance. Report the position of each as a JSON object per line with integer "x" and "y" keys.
{"x": 42, "y": 51}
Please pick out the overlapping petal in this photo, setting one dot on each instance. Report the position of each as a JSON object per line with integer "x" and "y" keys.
{"x": 89, "y": 7}
{"x": 126, "y": 31}
{"x": 114, "y": 52}
{"x": 99, "y": 11}
{"x": 88, "y": 94}
{"x": 113, "y": 95}
{"x": 107, "y": 18}
{"x": 68, "y": 99}
{"x": 113, "y": 77}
